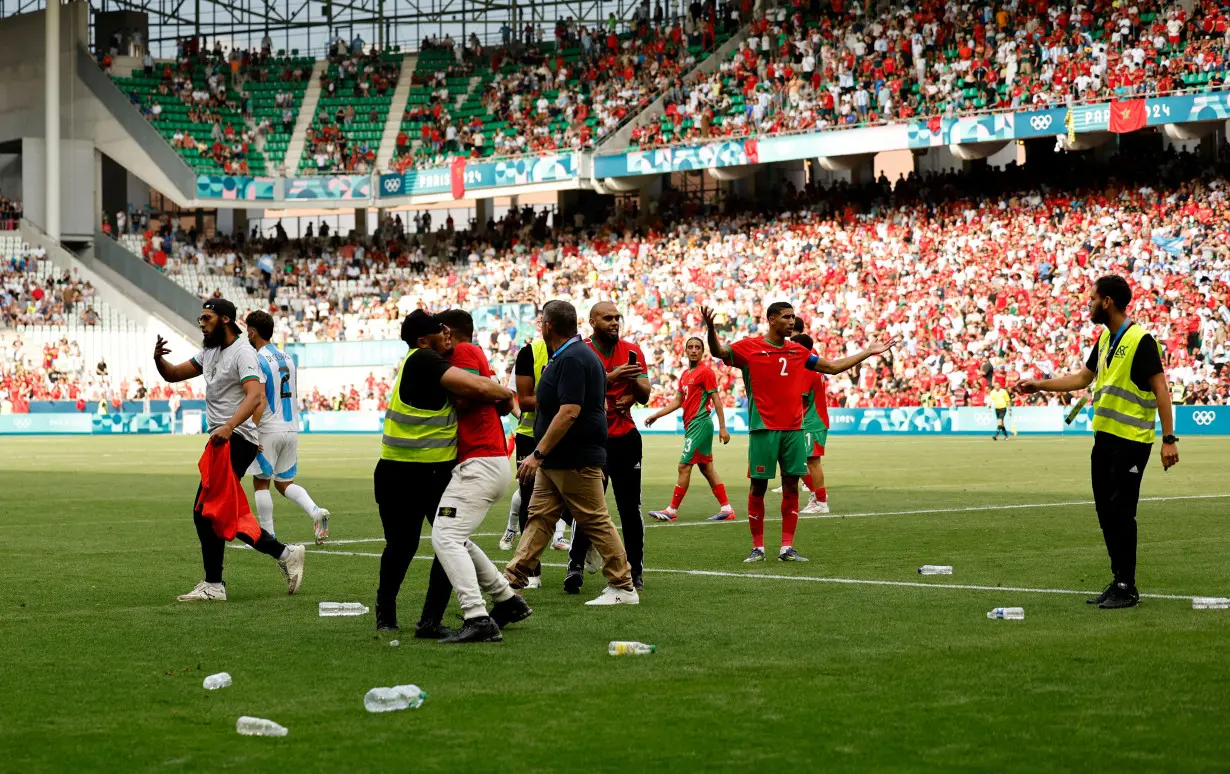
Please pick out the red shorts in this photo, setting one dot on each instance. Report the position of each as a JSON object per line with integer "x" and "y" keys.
{"x": 698, "y": 459}
{"x": 816, "y": 451}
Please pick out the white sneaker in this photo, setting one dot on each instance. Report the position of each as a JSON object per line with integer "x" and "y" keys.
{"x": 320, "y": 524}
{"x": 506, "y": 542}
{"x": 593, "y": 561}
{"x": 815, "y": 506}
{"x": 613, "y": 596}
{"x": 205, "y": 592}
{"x": 292, "y": 567}
{"x": 534, "y": 583}
{"x": 561, "y": 544}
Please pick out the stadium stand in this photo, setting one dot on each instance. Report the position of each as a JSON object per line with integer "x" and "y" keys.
{"x": 815, "y": 66}
{"x": 223, "y": 114}
{"x": 974, "y": 271}
{"x": 356, "y": 91}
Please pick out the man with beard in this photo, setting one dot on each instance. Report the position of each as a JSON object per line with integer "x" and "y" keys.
{"x": 417, "y": 456}
{"x": 232, "y": 395}
{"x": 1130, "y": 394}
{"x": 627, "y": 383}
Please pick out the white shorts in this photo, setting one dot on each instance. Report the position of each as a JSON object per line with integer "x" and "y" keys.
{"x": 278, "y": 458}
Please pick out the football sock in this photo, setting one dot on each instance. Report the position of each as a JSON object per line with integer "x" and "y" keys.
{"x": 755, "y": 519}
{"x": 264, "y": 509}
{"x": 677, "y": 497}
{"x": 559, "y": 530}
{"x": 514, "y": 508}
{"x": 807, "y": 483}
{"x": 719, "y": 492}
{"x": 822, "y": 495}
{"x": 299, "y": 496}
{"x": 790, "y": 517}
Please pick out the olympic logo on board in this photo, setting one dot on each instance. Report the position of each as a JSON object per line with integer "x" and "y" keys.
{"x": 1204, "y": 418}
{"x": 392, "y": 184}
{"x": 1040, "y": 123}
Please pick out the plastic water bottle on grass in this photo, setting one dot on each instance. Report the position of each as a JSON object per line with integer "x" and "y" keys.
{"x": 618, "y": 648}
{"x": 333, "y": 609}
{"x": 399, "y": 697}
{"x": 1007, "y": 614}
{"x": 220, "y": 680}
{"x": 935, "y": 569}
{"x": 249, "y": 726}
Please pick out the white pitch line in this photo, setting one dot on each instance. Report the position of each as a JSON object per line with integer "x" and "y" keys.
{"x": 841, "y": 581}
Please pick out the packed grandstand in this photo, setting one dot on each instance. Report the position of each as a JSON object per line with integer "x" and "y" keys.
{"x": 981, "y": 274}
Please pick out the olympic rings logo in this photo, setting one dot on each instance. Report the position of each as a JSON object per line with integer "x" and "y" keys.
{"x": 1040, "y": 123}
{"x": 392, "y": 184}
{"x": 1204, "y": 418}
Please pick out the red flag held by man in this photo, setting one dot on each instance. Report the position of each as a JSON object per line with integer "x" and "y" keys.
{"x": 1127, "y": 115}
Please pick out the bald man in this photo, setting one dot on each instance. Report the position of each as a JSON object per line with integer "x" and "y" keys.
{"x": 627, "y": 383}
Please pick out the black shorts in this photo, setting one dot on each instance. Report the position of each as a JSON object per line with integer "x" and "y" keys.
{"x": 525, "y": 446}
{"x": 1001, "y": 413}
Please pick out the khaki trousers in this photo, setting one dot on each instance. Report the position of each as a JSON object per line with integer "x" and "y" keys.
{"x": 581, "y": 491}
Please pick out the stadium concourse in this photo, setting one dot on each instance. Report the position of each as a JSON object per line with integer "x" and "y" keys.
{"x": 975, "y": 272}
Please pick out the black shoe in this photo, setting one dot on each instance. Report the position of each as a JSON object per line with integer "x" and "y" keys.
{"x": 481, "y": 629}
{"x": 1100, "y": 598}
{"x": 432, "y": 630}
{"x": 386, "y": 617}
{"x": 1121, "y": 596}
{"x": 511, "y": 610}
{"x": 637, "y": 583}
{"x": 573, "y": 581}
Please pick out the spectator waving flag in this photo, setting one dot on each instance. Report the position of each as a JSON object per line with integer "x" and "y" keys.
{"x": 1127, "y": 115}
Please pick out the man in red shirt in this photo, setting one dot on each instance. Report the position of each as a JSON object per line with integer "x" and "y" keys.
{"x": 480, "y": 478}
{"x": 627, "y": 383}
{"x": 697, "y": 391}
{"x": 773, "y": 373}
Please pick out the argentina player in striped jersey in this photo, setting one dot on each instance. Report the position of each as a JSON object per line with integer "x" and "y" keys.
{"x": 279, "y": 432}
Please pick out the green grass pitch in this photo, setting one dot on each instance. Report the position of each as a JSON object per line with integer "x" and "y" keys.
{"x": 767, "y": 667}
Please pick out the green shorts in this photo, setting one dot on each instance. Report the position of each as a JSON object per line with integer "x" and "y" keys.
{"x": 766, "y": 448}
{"x": 814, "y": 440}
{"x": 698, "y": 442}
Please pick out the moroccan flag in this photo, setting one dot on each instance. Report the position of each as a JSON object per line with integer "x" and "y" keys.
{"x": 458, "y": 169}
{"x": 1127, "y": 116}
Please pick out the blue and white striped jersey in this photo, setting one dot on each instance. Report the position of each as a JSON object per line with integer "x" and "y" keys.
{"x": 281, "y": 391}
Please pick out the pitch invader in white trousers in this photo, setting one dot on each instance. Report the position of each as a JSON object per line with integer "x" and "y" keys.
{"x": 278, "y": 459}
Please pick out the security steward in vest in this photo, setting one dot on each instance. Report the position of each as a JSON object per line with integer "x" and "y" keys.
{"x": 417, "y": 455}
{"x": 1129, "y": 393}
{"x": 527, "y": 371}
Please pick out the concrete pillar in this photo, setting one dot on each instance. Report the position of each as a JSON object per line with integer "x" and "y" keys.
{"x": 240, "y": 222}
{"x": 484, "y": 209}
{"x": 360, "y": 221}
{"x": 224, "y": 221}
{"x": 51, "y": 96}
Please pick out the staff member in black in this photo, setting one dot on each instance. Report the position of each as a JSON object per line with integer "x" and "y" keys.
{"x": 1130, "y": 393}
{"x": 417, "y": 456}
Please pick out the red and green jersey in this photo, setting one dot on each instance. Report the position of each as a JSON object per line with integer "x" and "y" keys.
{"x": 774, "y": 376}
{"x": 698, "y": 386}
{"x": 618, "y": 422}
{"x": 815, "y": 403}
{"x": 479, "y": 430}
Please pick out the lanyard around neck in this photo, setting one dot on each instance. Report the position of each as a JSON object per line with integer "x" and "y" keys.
{"x": 565, "y": 346}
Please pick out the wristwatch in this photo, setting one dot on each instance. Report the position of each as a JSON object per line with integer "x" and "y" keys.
{"x": 539, "y": 455}
{"x": 1169, "y": 439}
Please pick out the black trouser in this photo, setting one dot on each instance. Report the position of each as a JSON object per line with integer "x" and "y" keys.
{"x": 407, "y": 493}
{"x": 212, "y": 546}
{"x": 1117, "y": 467}
{"x": 525, "y": 445}
{"x": 623, "y": 472}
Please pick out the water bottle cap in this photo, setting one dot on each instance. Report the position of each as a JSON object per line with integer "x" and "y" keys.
{"x": 653, "y": 648}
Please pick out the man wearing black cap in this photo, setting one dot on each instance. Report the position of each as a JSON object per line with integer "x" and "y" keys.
{"x": 232, "y": 395}
{"x": 417, "y": 456}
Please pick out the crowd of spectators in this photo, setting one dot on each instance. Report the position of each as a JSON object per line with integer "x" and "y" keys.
{"x": 816, "y": 64}
{"x": 984, "y": 276}
{"x": 28, "y": 299}
{"x": 10, "y": 213}
{"x": 543, "y": 101}
{"x": 359, "y": 75}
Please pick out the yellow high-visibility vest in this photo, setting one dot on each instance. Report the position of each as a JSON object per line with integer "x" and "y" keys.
{"x": 541, "y": 356}
{"x": 1119, "y": 406}
{"x": 417, "y": 435}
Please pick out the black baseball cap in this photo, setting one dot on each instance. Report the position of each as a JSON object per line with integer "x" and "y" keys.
{"x": 419, "y": 323}
{"x": 223, "y": 308}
